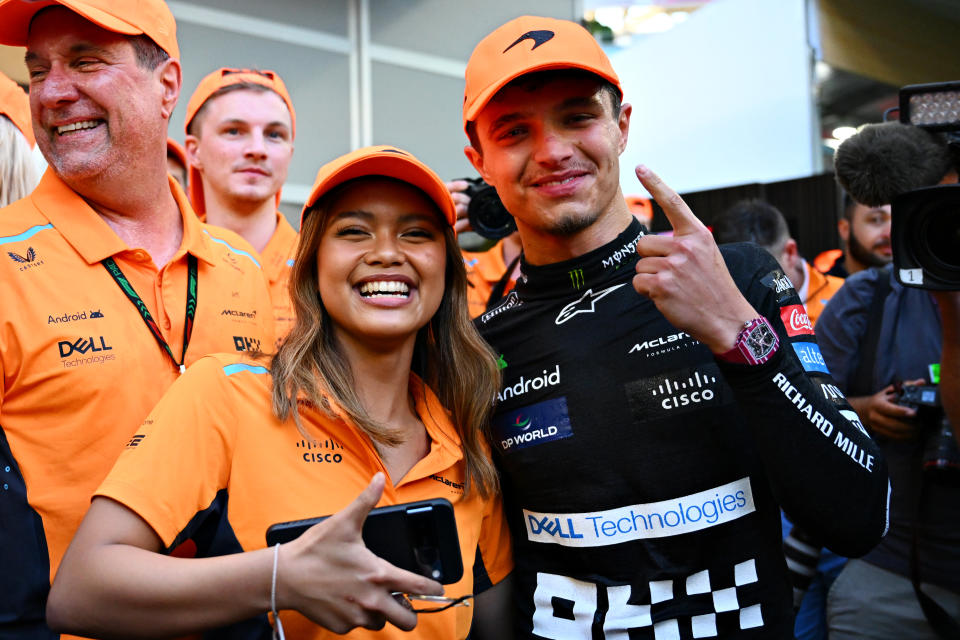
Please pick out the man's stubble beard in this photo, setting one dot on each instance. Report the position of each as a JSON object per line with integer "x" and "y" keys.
{"x": 863, "y": 255}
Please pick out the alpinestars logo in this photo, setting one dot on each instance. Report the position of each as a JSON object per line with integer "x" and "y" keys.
{"x": 28, "y": 261}
{"x": 538, "y": 37}
{"x": 585, "y": 304}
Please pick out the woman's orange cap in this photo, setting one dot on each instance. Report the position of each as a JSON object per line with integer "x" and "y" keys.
{"x": 386, "y": 161}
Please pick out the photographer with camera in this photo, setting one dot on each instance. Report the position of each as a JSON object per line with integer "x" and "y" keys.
{"x": 492, "y": 271}
{"x": 879, "y": 339}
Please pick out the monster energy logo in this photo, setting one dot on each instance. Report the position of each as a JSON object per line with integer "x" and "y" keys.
{"x": 576, "y": 278}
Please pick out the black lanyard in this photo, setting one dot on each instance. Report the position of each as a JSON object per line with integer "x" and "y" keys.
{"x": 191, "y": 311}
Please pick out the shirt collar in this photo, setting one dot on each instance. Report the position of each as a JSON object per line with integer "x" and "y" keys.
{"x": 281, "y": 247}
{"x": 92, "y": 237}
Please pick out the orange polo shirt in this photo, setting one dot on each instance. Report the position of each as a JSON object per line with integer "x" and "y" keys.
{"x": 484, "y": 270}
{"x": 266, "y": 471}
{"x": 277, "y": 261}
{"x": 79, "y": 368}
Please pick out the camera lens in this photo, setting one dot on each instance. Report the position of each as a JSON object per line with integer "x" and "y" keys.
{"x": 925, "y": 235}
{"x": 936, "y": 238}
{"x": 943, "y": 232}
{"x": 487, "y": 215}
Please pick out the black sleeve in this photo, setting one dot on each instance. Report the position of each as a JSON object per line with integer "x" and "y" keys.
{"x": 824, "y": 469}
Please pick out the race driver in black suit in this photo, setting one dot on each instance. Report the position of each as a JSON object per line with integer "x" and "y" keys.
{"x": 661, "y": 397}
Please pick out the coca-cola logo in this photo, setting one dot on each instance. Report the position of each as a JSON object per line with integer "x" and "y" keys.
{"x": 796, "y": 320}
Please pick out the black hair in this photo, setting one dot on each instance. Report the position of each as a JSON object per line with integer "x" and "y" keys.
{"x": 752, "y": 220}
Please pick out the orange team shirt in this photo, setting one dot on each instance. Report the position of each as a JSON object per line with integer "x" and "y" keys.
{"x": 247, "y": 470}
{"x": 819, "y": 287}
{"x": 277, "y": 261}
{"x": 81, "y": 370}
{"x": 484, "y": 270}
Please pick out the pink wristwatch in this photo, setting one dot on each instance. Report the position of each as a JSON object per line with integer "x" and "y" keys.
{"x": 755, "y": 344}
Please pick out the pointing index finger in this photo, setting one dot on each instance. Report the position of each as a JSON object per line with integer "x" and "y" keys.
{"x": 681, "y": 218}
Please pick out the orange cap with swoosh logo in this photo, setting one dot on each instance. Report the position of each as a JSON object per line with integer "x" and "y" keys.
{"x": 525, "y": 45}
{"x": 151, "y": 18}
{"x": 15, "y": 104}
{"x": 213, "y": 82}
{"x": 386, "y": 161}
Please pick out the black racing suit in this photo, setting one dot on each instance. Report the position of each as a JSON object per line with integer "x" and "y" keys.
{"x": 643, "y": 478}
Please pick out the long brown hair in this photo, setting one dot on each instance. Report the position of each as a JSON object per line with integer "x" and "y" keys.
{"x": 449, "y": 354}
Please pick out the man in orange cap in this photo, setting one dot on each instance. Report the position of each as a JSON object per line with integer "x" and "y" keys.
{"x": 111, "y": 284}
{"x": 240, "y": 126}
{"x": 644, "y": 441}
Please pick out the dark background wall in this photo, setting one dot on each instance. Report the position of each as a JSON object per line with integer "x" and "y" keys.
{"x": 811, "y": 206}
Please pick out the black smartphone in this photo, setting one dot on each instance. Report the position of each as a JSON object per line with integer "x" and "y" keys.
{"x": 420, "y": 537}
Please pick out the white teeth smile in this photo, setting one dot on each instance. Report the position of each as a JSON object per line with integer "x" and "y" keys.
{"x": 85, "y": 124}
{"x": 554, "y": 182}
{"x": 382, "y": 288}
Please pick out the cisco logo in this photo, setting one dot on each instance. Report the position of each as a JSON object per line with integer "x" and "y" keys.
{"x": 679, "y": 391}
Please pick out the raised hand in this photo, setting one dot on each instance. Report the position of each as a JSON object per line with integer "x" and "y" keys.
{"x": 328, "y": 575}
{"x": 462, "y": 201}
{"x": 685, "y": 275}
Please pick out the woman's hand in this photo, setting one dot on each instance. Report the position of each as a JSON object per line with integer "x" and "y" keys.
{"x": 328, "y": 575}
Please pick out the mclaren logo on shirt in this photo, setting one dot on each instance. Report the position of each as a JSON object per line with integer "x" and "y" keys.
{"x": 240, "y": 313}
{"x": 663, "y": 344}
{"x": 678, "y": 392}
{"x": 587, "y": 303}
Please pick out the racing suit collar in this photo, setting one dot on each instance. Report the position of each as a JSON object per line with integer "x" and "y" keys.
{"x": 600, "y": 266}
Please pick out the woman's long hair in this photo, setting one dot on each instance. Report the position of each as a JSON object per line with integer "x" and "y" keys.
{"x": 449, "y": 355}
{"x": 17, "y": 174}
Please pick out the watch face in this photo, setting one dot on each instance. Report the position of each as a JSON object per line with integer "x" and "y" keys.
{"x": 761, "y": 340}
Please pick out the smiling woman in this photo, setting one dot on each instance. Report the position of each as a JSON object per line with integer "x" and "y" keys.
{"x": 383, "y": 375}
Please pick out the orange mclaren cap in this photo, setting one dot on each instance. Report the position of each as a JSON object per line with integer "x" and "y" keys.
{"x": 386, "y": 161}
{"x": 213, "y": 82}
{"x": 15, "y": 104}
{"x": 525, "y": 45}
{"x": 151, "y": 18}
